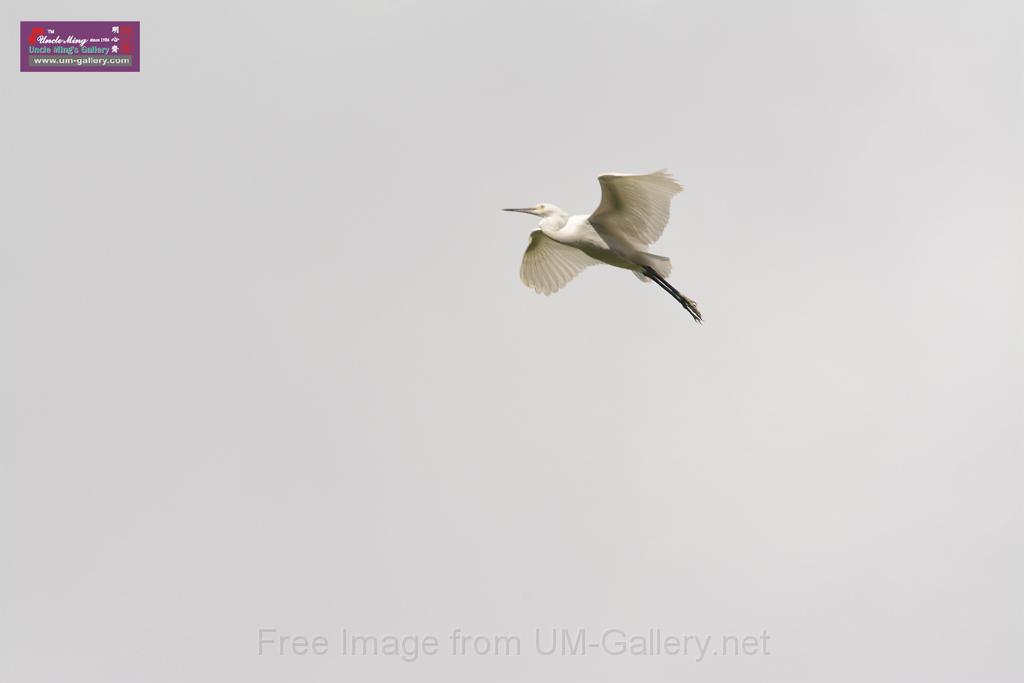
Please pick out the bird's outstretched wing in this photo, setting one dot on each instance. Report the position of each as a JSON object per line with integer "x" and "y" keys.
{"x": 548, "y": 265}
{"x": 635, "y": 207}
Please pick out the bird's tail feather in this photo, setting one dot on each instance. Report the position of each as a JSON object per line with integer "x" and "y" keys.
{"x": 662, "y": 265}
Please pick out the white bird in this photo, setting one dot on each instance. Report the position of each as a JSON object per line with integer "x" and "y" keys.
{"x": 632, "y": 215}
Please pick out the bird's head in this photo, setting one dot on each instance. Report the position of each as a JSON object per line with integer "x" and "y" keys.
{"x": 542, "y": 210}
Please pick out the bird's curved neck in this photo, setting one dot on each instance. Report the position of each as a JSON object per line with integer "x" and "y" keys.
{"x": 550, "y": 224}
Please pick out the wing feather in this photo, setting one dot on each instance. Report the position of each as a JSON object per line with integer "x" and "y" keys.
{"x": 635, "y": 207}
{"x": 549, "y": 265}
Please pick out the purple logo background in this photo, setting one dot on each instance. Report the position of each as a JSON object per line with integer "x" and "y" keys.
{"x": 79, "y": 46}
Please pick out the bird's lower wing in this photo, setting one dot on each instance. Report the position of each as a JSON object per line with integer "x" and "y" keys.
{"x": 548, "y": 265}
{"x": 634, "y": 208}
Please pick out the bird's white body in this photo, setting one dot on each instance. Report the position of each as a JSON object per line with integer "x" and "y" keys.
{"x": 577, "y": 232}
{"x": 633, "y": 213}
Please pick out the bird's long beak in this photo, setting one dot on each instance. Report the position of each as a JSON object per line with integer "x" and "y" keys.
{"x": 529, "y": 211}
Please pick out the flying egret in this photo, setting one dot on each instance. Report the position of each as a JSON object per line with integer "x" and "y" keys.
{"x": 633, "y": 213}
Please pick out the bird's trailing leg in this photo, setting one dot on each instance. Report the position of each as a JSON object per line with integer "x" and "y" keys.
{"x": 689, "y": 304}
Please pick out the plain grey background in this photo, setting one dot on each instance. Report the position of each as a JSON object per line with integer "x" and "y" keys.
{"x": 266, "y": 361}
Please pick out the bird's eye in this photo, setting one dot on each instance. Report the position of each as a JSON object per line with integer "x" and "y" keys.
{"x": 540, "y": 206}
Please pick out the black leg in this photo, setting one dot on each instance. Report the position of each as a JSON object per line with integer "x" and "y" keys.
{"x": 689, "y": 304}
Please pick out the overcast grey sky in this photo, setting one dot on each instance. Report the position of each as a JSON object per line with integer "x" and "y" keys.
{"x": 266, "y": 360}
